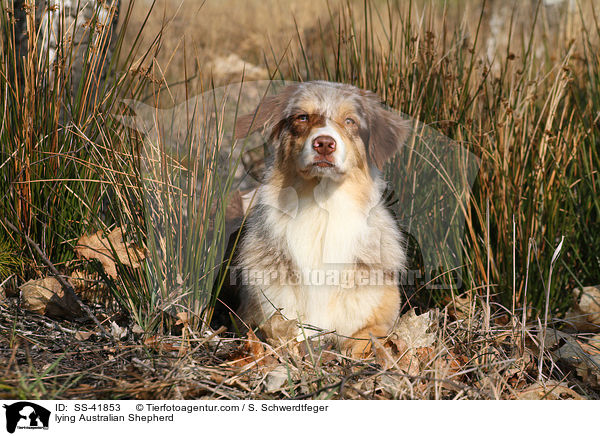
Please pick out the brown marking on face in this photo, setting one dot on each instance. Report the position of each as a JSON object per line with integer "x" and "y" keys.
{"x": 371, "y": 133}
{"x": 301, "y": 125}
{"x": 357, "y": 178}
{"x": 294, "y": 132}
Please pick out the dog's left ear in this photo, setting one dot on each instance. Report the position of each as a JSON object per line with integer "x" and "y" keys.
{"x": 387, "y": 131}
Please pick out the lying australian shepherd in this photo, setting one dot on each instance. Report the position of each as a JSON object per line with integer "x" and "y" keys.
{"x": 319, "y": 245}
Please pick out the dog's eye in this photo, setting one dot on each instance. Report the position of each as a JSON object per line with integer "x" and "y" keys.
{"x": 302, "y": 118}
{"x": 350, "y": 121}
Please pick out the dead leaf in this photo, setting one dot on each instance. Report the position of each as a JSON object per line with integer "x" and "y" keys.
{"x": 276, "y": 378}
{"x": 591, "y": 346}
{"x": 183, "y": 319}
{"x": 589, "y": 371}
{"x": 89, "y": 285}
{"x": 587, "y": 362}
{"x": 251, "y": 351}
{"x": 83, "y": 335}
{"x": 413, "y": 329}
{"x": 160, "y": 344}
{"x": 81, "y": 280}
{"x": 452, "y": 362}
{"x": 280, "y": 331}
{"x": 137, "y": 330}
{"x": 217, "y": 378}
{"x": 117, "y": 331}
{"x": 575, "y": 353}
{"x": 585, "y": 315}
{"x": 109, "y": 251}
{"x": 254, "y": 347}
{"x": 409, "y": 346}
{"x": 392, "y": 353}
{"x": 445, "y": 365}
{"x": 395, "y": 386}
{"x": 549, "y": 391}
{"x": 47, "y": 297}
{"x": 460, "y": 307}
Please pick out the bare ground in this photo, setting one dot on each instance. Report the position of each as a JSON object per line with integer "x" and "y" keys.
{"x": 57, "y": 359}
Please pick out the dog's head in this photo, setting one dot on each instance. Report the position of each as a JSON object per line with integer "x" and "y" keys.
{"x": 326, "y": 130}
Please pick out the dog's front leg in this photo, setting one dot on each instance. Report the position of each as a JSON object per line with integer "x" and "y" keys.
{"x": 377, "y": 324}
{"x": 360, "y": 345}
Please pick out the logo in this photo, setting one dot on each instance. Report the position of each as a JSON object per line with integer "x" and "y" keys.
{"x": 26, "y": 415}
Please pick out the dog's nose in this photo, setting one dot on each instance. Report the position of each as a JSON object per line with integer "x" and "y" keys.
{"x": 324, "y": 145}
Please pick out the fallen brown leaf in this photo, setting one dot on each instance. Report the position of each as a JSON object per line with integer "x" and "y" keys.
{"x": 447, "y": 364}
{"x": 83, "y": 335}
{"x": 585, "y": 315}
{"x": 460, "y": 307}
{"x": 137, "y": 330}
{"x": 183, "y": 318}
{"x": 415, "y": 330}
{"x": 109, "y": 251}
{"x": 47, "y": 297}
{"x": 279, "y": 331}
{"x": 409, "y": 346}
{"x": 83, "y": 281}
{"x": 251, "y": 351}
{"x": 91, "y": 287}
{"x": 276, "y": 378}
{"x": 589, "y": 371}
{"x": 575, "y": 353}
{"x": 589, "y": 366}
{"x": 549, "y": 391}
{"x": 118, "y": 332}
{"x": 159, "y": 344}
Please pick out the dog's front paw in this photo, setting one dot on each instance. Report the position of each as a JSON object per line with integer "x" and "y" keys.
{"x": 358, "y": 348}
{"x": 360, "y": 345}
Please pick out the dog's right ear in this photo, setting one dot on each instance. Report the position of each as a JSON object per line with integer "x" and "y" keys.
{"x": 264, "y": 115}
{"x": 267, "y": 115}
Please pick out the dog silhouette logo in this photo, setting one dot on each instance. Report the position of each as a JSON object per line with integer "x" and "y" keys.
{"x": 26, "y": 415}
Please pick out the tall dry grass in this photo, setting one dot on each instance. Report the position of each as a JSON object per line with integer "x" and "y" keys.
{"x": 521, "y": 95}
{"x": 527, "y": 109}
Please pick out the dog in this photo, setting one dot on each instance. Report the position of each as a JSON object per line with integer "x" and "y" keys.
{"x": 319, "y": 245}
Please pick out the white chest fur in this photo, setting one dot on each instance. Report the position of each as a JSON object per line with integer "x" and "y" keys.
{"x": 323, "y": 233}
{"x": 326, "y": 230}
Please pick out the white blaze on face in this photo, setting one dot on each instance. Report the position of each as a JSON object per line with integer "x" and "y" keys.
{"x": 309, "y": 154}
